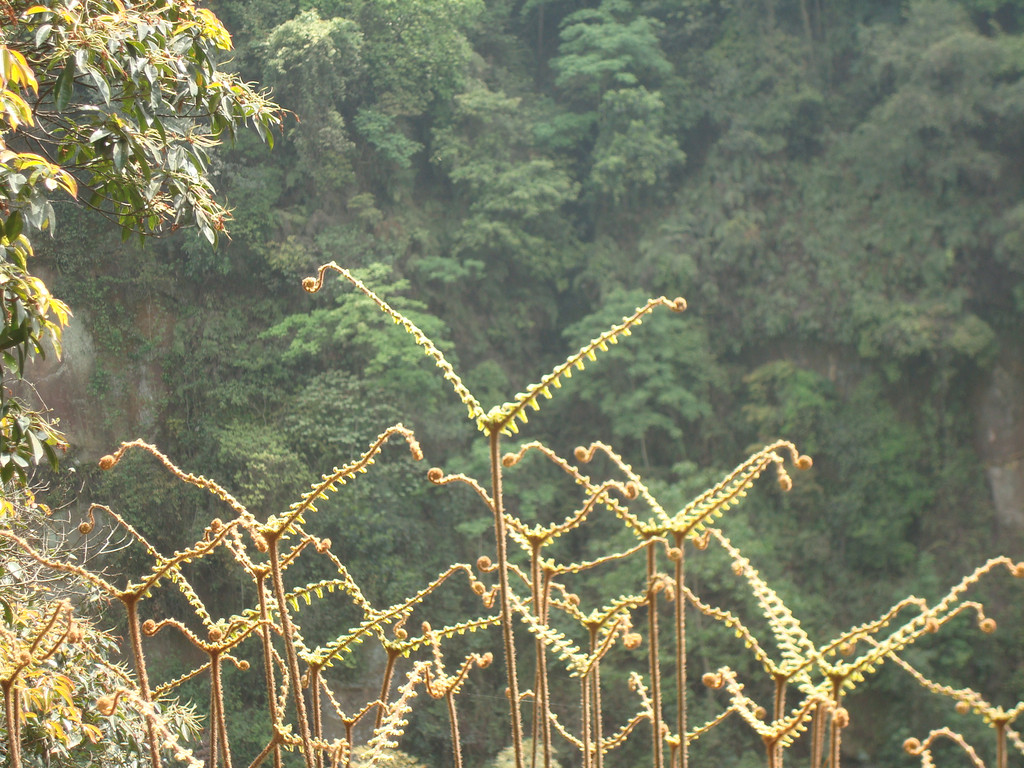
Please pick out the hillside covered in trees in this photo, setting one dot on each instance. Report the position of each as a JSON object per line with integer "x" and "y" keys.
{"x": 836, "y": 188}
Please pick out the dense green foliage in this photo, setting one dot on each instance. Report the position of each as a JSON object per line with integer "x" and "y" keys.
{"x": 836, "y": 189}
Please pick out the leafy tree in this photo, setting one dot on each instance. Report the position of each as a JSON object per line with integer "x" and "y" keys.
{"x": 118, "y": 105}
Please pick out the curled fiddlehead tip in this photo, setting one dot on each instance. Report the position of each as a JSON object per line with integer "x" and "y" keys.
{"x": 478, "y": 588}
{"x": 785, "y": 482}
{"x": 1018, "y": 570}
{"x": 675, "y": 554}
{"x": 484, "y": 563}
{"x": 323, "y": 546}
{"x": 435, "y": 474}
{"x": 107, "y": 462}
{"x": 309, "y": 285}
{"x": 149, "y": 628}
{"x": 509, "y": 459}
{"x": 583, "y": 455}
{"x": 631, "y": 490}
{"x": 107, "y": 704}
{"x": 912, "y": 746}
{"x": 931, "y": 625}
{"x": 760, "y": 713}
{"x": 714, "y": 680}
{"x": 86, "y": 526}
{"x": 987, "y": 625}
{"x": 847, "y": 649}
{"x": 804, "y": 462}
{"x": 632, "y": 640}
{"x": 678, "y": 304}
{"x": 215, "y": 635}
{"x": 485, "y": 660}
{"x": 841, "y": 717}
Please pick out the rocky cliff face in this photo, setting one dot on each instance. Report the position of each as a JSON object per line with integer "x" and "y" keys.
{"x": 1000, "y": 425}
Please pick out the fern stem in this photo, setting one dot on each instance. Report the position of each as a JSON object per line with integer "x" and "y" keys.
{"x": 1000, "y": 726}
{"x": 268, "y": 663}
{"x": 131, "y": 604}
{"x": 11, "y": 708}
{"x": 295, "y": 678}
{"x": 779, "y": 710}
{"x": 655, "y": 664}
{"x": 503, "y": 588}
{"x": 318, "y": 725}
{"x": 385, "y": 686}
{"x": 453, "y": 718}
{"x": 680, "y": 575}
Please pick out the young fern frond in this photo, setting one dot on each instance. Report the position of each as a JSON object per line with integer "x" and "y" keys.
{"x": 575, "y": 659}
{"x": 474, "y": 409}
{"x": 967, "y": 699}
{"x": 586, "y": 455}
{"x": 714, "y": 502}
{"x": 793, "y": 643}
{"x": 110, "y": 461}
{"x": 502, "y": 418}
{"x": 394, "y": 722}
{"x": 276, "y": 526}
{"x": 739, "y": 628}
{"x": 924, "y": 749}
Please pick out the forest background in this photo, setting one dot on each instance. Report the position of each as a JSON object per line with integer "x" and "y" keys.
{"x": 836, "y": 189}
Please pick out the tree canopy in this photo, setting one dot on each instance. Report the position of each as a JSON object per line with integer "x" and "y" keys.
{"x": 114, "y": 105}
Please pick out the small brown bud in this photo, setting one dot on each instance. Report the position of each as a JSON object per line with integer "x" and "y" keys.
{"x": 713, "y": 680}
{"x": 963, "y": 707}
{"x": 425, "y": 627}
{"x": 847, "y": 649}
{"x": 738, "y": 567}
{"x": 931, "y": 625}
{"x": 632, "y": 640}
{"x": 216, "y": 525}
{"x": 106, "y": 705}
{"x": 260, "y": 542}
{"x": 107, "y": 462}
{"x": 760, "y": 713}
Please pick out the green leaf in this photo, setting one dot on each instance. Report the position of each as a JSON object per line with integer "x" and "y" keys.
{"x": 64, "y": 87}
